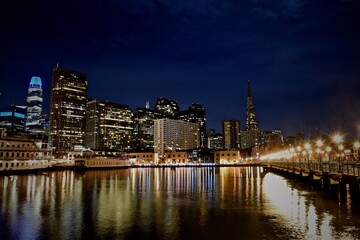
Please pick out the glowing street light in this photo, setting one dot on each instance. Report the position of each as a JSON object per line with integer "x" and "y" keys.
{"x": 356, "y": 148}
{"x": 337, "y": 138}
{"x": 319, "y": 143}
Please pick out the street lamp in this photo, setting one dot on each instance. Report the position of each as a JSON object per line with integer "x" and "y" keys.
{"x": 338, "y": 139}
{"x": 308, "y": 148}
{"x": 356, "y": 148}
{"x": 328, "y": 150}
{"x": 298, "y": 148}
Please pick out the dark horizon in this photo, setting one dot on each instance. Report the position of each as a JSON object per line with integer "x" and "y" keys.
{"x": 302, "y": 57}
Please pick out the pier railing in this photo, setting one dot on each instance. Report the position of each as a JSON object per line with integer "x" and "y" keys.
{"x": 340, "y": 167}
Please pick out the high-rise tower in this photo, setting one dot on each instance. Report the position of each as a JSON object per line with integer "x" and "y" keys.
{"x": 231, "y": 134}
{"x": 250, "y": 123}
{"x": 34, "y": 105}
{"x": 67, "y": 110}
{"x": 250, "y": 137}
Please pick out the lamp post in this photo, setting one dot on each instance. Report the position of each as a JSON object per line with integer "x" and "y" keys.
{"x": 356, "y": 150}
{"x": 319, "y": 144}
{"x": 338, "y": 139}
{"x": 308, "y": 150}
{"x": 328, "y": 150}
{"x": 298, "y": 149}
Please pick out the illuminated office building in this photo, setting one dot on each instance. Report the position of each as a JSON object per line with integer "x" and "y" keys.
{"x": 34, "y": 106}
{"x": 231, "y": 132}
{"x": 195, "y": 113}
{"x": 14, "y": 120}
{"x": 67, "y": 110}
{"x": 169, "y": 108}
{"x": 108, "y": 126}
{"x": 174, "y": 135}
{"x": 144, "y": 128}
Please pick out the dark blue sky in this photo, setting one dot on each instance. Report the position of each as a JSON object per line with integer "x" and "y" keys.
{"x": 302, "y": 56}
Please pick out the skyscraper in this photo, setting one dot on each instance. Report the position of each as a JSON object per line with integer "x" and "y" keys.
{"x": 171, "y": 135}
{"x": 67, "y": 110}
{"x": 108, "y": 125}
{"x": 251, "y": 136}
{"x": 144, "y": 128}
{"x": 34, "y": 105}
{"x": 167, "y": 107}
{"x": 231, "y": 132}
{"x": 251, "y": 123}
{"x": 195, "y": 113}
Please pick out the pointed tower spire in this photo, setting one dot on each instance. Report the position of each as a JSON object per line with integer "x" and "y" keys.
{"x": 249, "y": 89}
{"x": 251, "y": 123}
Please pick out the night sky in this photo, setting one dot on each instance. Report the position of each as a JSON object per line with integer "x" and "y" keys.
{"x": 302, "y": 57}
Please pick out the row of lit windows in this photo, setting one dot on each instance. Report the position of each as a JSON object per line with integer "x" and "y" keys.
{"x": 18, "y": 145}
{"x": 217, "y": 154}
{"x": 144, "y": 156}
{"x": 18, "y": 154}
{"x": 18, "y": 164}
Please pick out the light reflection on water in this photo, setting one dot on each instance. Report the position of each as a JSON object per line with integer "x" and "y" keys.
{"x": 160, "y": 203}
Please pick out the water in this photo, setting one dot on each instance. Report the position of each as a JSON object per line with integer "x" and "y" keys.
{"x": 186, "y": 203}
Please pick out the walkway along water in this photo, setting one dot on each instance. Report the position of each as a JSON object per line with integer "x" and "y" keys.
{"x": 340, "y": 177}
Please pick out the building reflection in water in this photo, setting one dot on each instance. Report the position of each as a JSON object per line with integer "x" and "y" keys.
{"x": 166, "y": 204}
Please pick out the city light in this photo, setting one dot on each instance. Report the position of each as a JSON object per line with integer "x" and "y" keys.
{"x": 337, "y": 138}
{"x": 319, "y": 143}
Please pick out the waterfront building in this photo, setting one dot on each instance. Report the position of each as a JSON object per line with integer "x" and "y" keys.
{"x": 142, "y": 157}
{"x": 108, "y": 126}
{"x": 14, "y": 120}
{"x": 172, "y": 135}
{"x": 169, "y": 108}
{"x": 201, "y": 155}
{"x": 144, "y": 128}
{"x": 34, "y": 106}
{"x": 176, "y": 157}
{"x": 231, "y": 132}
{"x": 251, "y": 136}
{"x": 23, "y": 153}
{"x": 195, "y": 113}
{"x": 67, "y": 110}
{"x": 227, "y": 157}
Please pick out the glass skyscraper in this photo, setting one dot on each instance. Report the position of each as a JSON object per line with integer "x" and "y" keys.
{"x": 34, "y": 105}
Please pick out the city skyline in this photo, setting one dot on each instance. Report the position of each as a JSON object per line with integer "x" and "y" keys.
{"x": 300, "y": 56}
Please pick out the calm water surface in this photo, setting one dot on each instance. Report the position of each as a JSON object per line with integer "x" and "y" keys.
{"x": 186, "y": 203}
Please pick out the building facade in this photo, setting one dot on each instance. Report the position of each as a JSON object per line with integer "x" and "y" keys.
{"x": 67, "y": 110}
{"x": 108, "y": 126}
{"x": 231, "y": 134}
{"x": 196, "y": 113}
{"x": 173, "y": 135}
{"x": 227, "y": 157}
{"x": 144, "y": 128}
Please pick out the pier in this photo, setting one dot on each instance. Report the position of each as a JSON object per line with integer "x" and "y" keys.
{"x": 341, "y": 177}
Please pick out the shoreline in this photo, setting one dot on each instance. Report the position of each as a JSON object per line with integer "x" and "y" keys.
{"x": 44, "y": 171}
